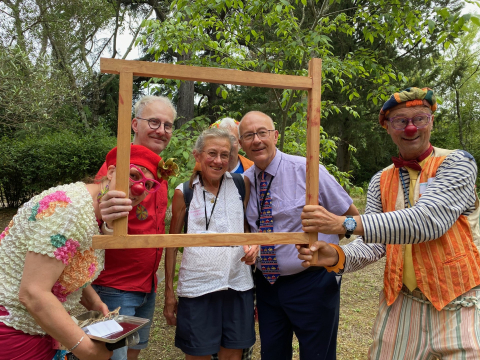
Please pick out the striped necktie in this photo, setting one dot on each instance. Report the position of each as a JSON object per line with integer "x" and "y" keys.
{"x": 267, "y": 252}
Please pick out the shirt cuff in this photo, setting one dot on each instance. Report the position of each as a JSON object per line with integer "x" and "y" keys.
{"x": 341, "y": 260}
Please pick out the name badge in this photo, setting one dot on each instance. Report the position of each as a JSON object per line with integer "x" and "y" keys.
{"x": 424, "y": 186}
{"x": 196, "y": 213}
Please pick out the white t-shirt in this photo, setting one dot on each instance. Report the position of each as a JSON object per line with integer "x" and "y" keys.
{"x": 207, "y": 269}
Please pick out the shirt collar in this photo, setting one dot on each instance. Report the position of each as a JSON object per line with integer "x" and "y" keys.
{"x": 197, "y": 178}
{"x": 272, "y": 168}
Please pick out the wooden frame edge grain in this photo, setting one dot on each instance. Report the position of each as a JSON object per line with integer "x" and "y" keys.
{"x": 128, "y": 68}
{"x": 184, "y": 240}
{"x": 125, "y": 94}
{"x": 314, "y": 112}
{"x": 205, "y": 74}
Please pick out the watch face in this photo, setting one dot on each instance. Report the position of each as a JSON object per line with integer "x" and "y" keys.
{"x": 350, "y": 224}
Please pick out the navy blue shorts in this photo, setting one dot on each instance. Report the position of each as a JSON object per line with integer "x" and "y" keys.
{"x": 222, "y": 318}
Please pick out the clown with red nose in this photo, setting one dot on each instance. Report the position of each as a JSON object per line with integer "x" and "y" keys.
{"x": 422, "y": 215}
{"x": 408, "y": 118}
{"x": 144, "y": 176}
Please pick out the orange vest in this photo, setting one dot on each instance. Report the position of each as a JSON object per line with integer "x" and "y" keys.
{"x": 445, "y": 268}
{"x": 246, "y": 163}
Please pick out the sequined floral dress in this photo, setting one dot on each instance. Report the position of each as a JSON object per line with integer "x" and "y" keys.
{"x": 59, "y": 223}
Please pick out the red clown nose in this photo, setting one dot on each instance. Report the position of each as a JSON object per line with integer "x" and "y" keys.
{"x": 137, "y": 189}
{"x": 410, "y": 130}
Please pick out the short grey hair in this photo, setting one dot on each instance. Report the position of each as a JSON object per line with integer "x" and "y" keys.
{"x": 214, "y": 133}
{"x": 144, "y": 101}
{"x": 228, "y": 123}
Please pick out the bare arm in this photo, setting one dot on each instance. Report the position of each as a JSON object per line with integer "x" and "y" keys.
{"x": 251, "y": 252}
{"x": 39, "y": 275}
{"x": 91, "y": 301}
{"x": 176, "y": 225}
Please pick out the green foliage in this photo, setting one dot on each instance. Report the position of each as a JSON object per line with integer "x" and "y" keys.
{"x": 31, "y": 95}
{"x": 295, "y": 144}
{"x": 361, "y": 44}
{"x": 457, "y": 122}
{"x": 36, "y": 163}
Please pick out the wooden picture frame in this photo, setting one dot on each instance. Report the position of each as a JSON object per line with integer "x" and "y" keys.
{"x": 128, "y": 68}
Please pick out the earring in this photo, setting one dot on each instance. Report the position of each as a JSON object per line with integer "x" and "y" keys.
{"x": 102, "y": 193}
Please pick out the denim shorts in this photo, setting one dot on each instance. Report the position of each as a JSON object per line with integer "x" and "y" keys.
{"x": 132, "y": 303}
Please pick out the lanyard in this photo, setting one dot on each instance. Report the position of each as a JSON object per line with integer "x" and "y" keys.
{"x": 260, "y": 206}
{"x": 207, "y": 221}
{"x": 405, "y": 187}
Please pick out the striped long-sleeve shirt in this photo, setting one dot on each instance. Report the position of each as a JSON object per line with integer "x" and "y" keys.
{"x": 450, "y": 195}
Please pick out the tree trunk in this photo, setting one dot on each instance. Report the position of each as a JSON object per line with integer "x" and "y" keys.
{"x": 459, "y": 117}
{"x": 282, "y": 127}
{"x": 185, "y": 104}
{"x": 213, "y": 99}
{"x": 343, "y": 155}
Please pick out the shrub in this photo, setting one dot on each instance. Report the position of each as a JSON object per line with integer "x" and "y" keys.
{"x": 38, "y": 162}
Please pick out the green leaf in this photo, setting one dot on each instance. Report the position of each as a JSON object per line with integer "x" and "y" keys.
{"x": 475, "y": 20}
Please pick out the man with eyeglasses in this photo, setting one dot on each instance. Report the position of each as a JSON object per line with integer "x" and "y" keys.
{"x": 129, "y": 278}
{"x": 422, "y": 214}
{"x": 290, "y": 299}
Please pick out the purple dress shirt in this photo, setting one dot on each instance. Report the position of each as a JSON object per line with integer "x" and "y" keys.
{"x": 288, "y": 191}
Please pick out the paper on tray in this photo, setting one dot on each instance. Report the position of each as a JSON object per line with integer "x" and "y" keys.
{"x": 103, "y": 328}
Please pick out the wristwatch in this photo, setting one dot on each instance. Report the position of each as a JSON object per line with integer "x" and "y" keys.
{"x": 349, "y": 225}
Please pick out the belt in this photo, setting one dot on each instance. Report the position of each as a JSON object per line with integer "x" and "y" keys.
{"x": 459, "y": 302}
{"x": 307, "y": 270}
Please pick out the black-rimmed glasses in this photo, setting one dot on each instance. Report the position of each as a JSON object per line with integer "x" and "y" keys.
{"x": 154, "y": 124}
{"x": 262, "y": 134}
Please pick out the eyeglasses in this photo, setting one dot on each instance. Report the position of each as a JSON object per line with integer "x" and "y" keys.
{"x": 212, "y": 155}
{"x": 154, "y": 124}
{"x": 262, "y": 134}
{"x": 138, "y": 177}
{"x": 401, "y": 122}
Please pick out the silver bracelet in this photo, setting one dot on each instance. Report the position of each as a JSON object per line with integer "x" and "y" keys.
{"x": 78, "y": 343}
{"x": 106, "y": 229}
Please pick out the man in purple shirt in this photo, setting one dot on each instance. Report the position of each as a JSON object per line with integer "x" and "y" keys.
{"x": 302, "y": 301}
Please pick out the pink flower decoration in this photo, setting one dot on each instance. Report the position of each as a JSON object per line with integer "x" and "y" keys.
{"x": 56, "y": 196}
{"x": 91, "y": 269}
{"x": 67, "y": 251}
{"x": 60, "y": 292}
{"x": 4, "y": 233}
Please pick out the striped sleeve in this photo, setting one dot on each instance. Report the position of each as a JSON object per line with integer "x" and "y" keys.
{"x": 450, "y": 195}
{"x": 358, "y": 254}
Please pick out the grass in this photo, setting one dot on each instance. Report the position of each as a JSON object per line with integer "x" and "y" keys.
{"x": 359, "y": 303}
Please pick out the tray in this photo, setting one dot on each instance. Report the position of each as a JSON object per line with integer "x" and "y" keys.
{"x": 130, "y": 324}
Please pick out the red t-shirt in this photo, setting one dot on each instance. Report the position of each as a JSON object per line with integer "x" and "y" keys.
{"x": 135, "y": 269}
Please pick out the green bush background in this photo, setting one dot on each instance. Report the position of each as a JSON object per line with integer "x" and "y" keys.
{"x": 37, "y": 162}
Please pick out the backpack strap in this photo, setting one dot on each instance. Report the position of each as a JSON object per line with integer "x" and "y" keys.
{"x": 240, "y": 184}
{"x": 187, "y": 197}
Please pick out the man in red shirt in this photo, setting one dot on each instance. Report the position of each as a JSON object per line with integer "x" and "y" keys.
{"x": 129, "y": 276}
